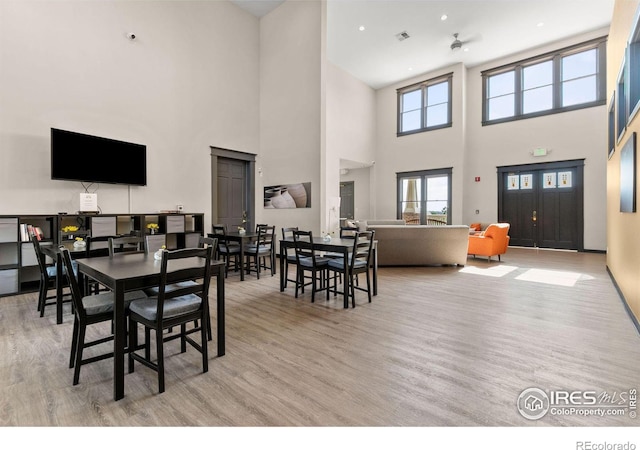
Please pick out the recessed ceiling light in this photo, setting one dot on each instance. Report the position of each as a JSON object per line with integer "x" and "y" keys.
{"x": 466, "y": 49}
{"x": 444, "y": 17}
{"x": 361, "y": 28}
{"x": 410, "y": 68}
{"x": 540, "y": 24}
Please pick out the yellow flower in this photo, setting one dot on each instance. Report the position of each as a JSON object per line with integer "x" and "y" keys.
{"x": 69, "y": 228}
{"x": 79, "y": 239}
{"x": 152, "y": 226}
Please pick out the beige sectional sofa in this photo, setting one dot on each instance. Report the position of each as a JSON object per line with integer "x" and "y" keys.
{"x": 421, "y": 245}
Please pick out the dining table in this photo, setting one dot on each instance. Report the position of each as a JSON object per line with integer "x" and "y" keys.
{"x": 333, "y": 245}
{"x": 128, "y": 272}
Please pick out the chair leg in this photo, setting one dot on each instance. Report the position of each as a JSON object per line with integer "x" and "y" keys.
{"x": 160, "y": 356}
{"x": 205, "y": 352}
{"x": 79, "y": 347}
{"x": 133, "y": 343}
{"x": 369, "y": 285}
{"x": 183, "y": 340}
{"x": 74, "y": 343}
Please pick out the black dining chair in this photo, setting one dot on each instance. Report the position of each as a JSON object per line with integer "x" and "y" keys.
{"x": 89, "y": 310}
{"x": 290, "y": 256}
{"x": 359, "y": 262}
{"x": 203, "y": 242}
{"x": 48, "y": 279}
{"x": 173, "y": 308}
{"x": 262, "y": 249}
{"x": 226, "y": 249}
{"x": 308, "y": 261}
{"x": 126, "y": 244}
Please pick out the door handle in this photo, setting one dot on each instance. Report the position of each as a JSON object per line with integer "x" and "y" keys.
{"x": 535, "y": 216}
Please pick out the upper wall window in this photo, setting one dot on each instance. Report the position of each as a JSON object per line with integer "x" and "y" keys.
{"x": 564, "y": 80}
{"x": 425, "y": 106}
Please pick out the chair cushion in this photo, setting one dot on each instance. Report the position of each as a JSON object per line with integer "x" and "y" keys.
{"x": 308, "y": 262}
{"x": 51, "y": 270}
{"x": 153, "y": 291}
{"x": 101, "y": 303}
{"x": 339, "y": 264}
{"x": 222, "y": 248}
{"x": 252, "y": 248}
{"x": 173, "y": 307}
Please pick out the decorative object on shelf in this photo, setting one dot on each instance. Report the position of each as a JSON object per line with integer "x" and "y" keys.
{"x": 153, "y": 228}
{"x": 158, "y": 255}
{"x": 79, "y": 243}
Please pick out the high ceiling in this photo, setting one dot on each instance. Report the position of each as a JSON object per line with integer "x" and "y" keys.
{"x": 488, "y": 30}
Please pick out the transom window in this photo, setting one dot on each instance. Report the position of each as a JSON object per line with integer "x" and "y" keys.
{"x": 565, "y": 80}
{"x": 425, "y": 106}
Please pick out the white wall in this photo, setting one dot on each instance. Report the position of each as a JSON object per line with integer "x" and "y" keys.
{"x": 473, "y": 150}
{"x": 351, "y": 134}
{"x": 362, "y": 200}
{"x": 421, "y": 151}
{"x": 291, "y": 60}
{"x": 571, "y": 135}
{"x": 182, "y": 86}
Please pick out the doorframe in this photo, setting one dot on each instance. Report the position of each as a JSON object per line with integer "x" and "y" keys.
{"x": 578, "y": 164}
{"x": 250, "y": 199}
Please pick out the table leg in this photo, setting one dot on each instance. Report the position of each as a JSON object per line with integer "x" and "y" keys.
{"x": 59, "y": 284}
{"x": 120, "y": 333}
{"x": 241, "y": 260}
{"x": 375, "y": 269}
{"x": 346, "y": 285}
{"x": 282, "y": 274}
{"x": 220, "y": 310}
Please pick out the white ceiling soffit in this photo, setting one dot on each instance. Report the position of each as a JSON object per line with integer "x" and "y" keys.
{"x": 487, "y": 29}
{"x": 258, "y": 8}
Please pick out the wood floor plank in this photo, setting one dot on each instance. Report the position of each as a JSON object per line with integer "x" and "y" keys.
{"x": 439, "y": 346}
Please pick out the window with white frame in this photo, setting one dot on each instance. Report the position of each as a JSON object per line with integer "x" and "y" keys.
{"x": 425, "y": 106}
{"x": 568, "y": 79}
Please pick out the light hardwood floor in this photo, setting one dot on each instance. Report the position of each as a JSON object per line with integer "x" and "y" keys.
{"x": 439, "y": 346}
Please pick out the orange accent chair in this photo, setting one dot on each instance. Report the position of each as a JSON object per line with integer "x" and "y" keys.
{"x": 493, "y": 241}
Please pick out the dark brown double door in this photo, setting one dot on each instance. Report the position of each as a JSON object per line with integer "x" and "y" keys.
{"x": 544, "y": 204}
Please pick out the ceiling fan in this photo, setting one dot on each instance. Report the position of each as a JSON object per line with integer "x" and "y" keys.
{"x": 457, "y": 43}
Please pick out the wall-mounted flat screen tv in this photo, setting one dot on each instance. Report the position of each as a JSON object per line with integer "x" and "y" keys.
{"x": 86, "y": 158}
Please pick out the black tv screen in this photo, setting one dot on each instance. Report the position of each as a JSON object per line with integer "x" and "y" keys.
{"x": 86, "y": 158}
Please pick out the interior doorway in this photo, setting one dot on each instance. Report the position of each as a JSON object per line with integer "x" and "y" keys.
{"x": 347, "y": 208}
{"x": 544, "y": 204}
{"x": 233, "y": 188}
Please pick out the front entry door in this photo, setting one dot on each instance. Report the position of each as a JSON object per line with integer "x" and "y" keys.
{"x": 543, "y": 203}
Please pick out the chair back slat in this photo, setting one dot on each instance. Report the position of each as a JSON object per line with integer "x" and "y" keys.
{"x": 303, "y": 244}
{"x": 362, "y": 248}
{"x": 199, "y": 273}
{"x": 124, "y": 244}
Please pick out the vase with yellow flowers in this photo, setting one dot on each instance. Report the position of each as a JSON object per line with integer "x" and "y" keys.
{"x": 153, "y": 228}
{"x": 70, "y": 229}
